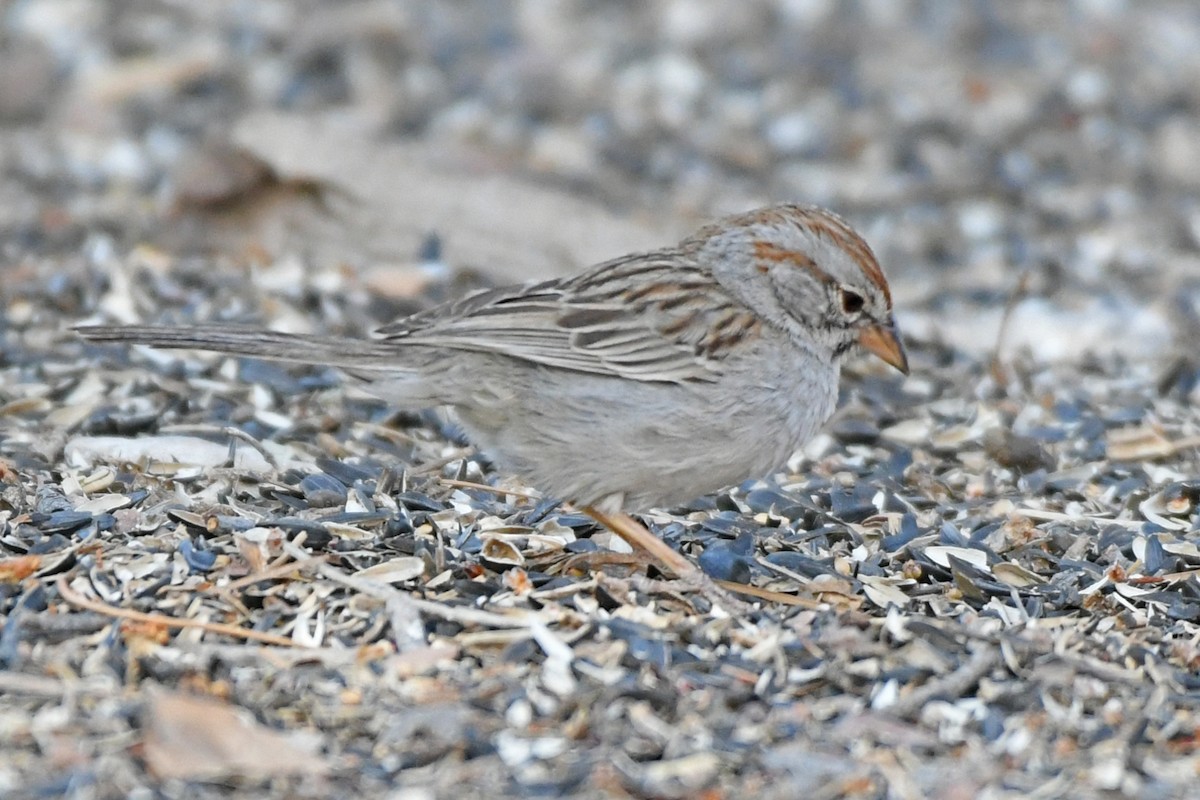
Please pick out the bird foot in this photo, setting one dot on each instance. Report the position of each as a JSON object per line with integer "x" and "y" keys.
{"x": 690, "y": 579}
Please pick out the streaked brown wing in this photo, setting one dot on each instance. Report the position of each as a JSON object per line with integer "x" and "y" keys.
{"x": 649, "y": 318}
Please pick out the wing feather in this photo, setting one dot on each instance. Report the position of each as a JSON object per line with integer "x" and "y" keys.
{"x": 652, "y": 317}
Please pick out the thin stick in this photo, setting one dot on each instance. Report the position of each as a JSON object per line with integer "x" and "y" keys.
{"x": 767, "y": 594}
{"x": 1018, "y": 294}
{"x": 483, "y": 487}
{"x": 1058, "y": 516}
{"x": 76, "y": 599}
{"x": 271, "y": 573}
{"x": 953, "y": 684}
{"x": 1166, "y": 577}
{"x": 241, "y": 435}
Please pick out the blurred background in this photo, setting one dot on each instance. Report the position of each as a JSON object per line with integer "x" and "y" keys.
{"x": 391, "y": 147}
{"x": 329, "y": 165}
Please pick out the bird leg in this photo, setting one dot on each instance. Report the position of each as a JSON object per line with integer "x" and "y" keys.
{"x": 639, "y": 538}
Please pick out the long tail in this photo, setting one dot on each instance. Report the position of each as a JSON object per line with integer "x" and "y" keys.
{"x": 270, "y": 345}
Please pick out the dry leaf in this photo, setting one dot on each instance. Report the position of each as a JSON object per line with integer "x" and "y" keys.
{"x": 14, "y": 570}
{"x": 1144, "y": 443}
{"x": 399, "y": 193}
{"x": 197, "y": 738}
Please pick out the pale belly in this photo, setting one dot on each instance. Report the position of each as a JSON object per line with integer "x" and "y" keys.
{"x": 622, "y": 444}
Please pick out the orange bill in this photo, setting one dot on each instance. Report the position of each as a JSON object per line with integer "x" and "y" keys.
{"x": 884, "y": 341}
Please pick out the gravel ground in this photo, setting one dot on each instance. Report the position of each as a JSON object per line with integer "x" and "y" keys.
{"x": 220, "y": 578}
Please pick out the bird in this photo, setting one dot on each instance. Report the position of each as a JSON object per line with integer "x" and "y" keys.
{"x": 645, "y": 381}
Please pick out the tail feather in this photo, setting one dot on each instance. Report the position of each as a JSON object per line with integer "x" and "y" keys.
{"x": 256, "y": 343}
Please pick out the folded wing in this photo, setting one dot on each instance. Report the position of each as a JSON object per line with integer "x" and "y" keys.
{"x": 642, "y": 317}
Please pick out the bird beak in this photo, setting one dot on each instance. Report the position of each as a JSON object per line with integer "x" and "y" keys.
{"x": 883, "y": 340}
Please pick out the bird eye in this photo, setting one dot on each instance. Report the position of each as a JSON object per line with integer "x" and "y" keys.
{"x": 852, "y": 302}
